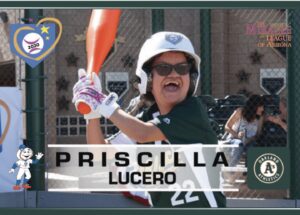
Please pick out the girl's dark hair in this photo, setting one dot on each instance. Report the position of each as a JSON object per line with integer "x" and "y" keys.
{"x": 251, "y": 106}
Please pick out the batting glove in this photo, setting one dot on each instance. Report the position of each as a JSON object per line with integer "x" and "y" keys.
{"x": 87, "y": 90}
{"x": 108, "y": 105}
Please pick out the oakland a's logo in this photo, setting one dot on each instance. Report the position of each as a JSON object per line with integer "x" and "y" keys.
{"x": 268, "y": 168}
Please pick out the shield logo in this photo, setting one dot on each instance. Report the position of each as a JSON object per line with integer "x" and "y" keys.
{"x": 174, "y": 38}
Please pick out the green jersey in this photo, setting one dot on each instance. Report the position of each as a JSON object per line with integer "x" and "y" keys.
{"x": 186, "y": 123}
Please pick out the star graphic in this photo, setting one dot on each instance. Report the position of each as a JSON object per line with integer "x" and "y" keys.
{"x": 62, "y": 84}
{"x": 45, "y": 29}
{"x": 127, "y": 61}
{"x": 63, "y": 103}
{"x": 256, "y": 57}
{"x": 243, "y": 76}
{"x": 72, "y": 59}
{"x": 47, "y": 38}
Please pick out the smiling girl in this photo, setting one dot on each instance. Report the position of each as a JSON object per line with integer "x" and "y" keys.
{"x": 169, "y": 72}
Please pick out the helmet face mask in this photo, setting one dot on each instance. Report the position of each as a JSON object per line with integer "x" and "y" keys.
{"x": 160, "y": 43}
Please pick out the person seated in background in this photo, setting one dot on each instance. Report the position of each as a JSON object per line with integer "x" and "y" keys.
{"x": 133, "y": 108}
{"x": 280, "y": 119}
{"x": 244, "y": 126}
{"x": 274, "y": 132}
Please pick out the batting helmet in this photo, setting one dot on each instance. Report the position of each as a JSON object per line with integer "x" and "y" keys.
{"x": 164, "y": 42}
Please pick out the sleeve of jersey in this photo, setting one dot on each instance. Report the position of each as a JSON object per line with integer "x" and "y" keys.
{"x": 121, "y": 138}
{"x": 187, "y": 123}
{"x": 15, "y": 165}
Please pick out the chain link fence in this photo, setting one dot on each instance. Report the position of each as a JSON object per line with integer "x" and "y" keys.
{"x": 247, "y": 56}
{"x": 240, "y": 66}
{"x": 8, "y": 63}
{"x": 116, "y": 75}
{"x": 255, "y": 64}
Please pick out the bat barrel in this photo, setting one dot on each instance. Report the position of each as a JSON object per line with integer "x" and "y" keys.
{"x": 100, "y": 37}
{"x": 101, "y": 34}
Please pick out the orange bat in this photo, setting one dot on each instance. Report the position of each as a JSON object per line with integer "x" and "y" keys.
{"x": 100, "y": 37}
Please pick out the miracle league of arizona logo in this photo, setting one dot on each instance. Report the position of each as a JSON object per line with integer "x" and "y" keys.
{"x": 34, "y": 42}
{"x": 268, "y": 168}
{"x": 274, "y": 35}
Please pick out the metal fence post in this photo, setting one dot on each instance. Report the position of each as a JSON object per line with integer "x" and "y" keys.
{"x": 157, "y": 20}
{"x": 294, "y": 102}
{"x": 205, "y": 51}
{"x": 35, "y": 128}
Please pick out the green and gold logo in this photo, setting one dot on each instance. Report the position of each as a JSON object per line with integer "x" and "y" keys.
{"x": 268, "y": 168}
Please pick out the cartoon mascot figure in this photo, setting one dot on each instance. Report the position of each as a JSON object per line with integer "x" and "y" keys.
{"x": 24, "y": 156}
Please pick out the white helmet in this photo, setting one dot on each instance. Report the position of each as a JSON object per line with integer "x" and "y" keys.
{"x": 164, "y": 42}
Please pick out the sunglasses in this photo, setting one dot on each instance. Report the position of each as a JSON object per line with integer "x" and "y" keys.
{"x": 165, "y": 69}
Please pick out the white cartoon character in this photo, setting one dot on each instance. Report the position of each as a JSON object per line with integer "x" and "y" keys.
{"x": 24, "y": 155}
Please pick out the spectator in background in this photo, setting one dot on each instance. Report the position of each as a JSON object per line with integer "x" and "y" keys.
{"x": 139, "y": 103}
{"x": 132, "y": 106}
{"x": 280, "y": 119}
{"x": 244, "y": 126}
{"x": 274, "y": 132}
